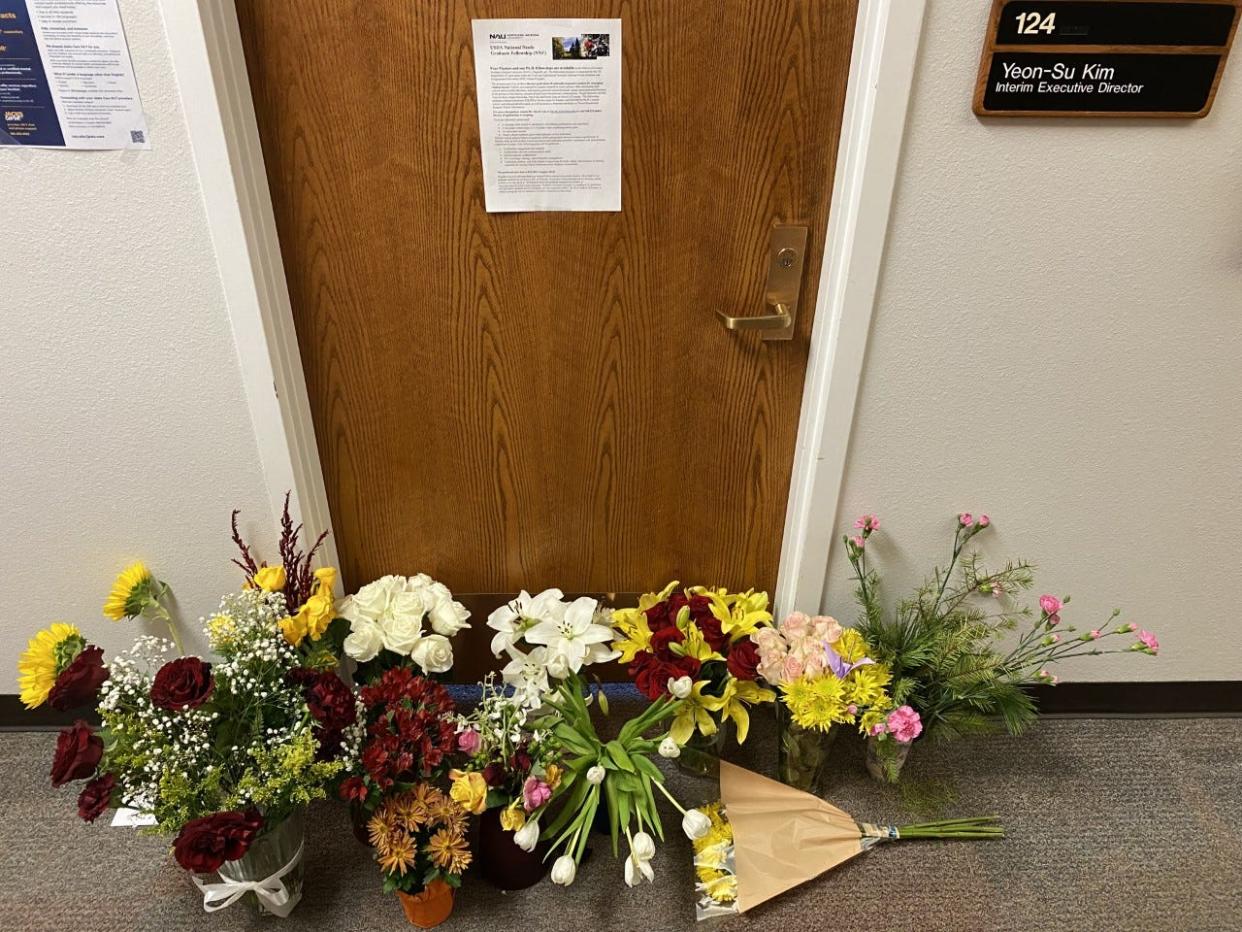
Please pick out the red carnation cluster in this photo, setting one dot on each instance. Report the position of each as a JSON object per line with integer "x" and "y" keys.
{"x": 652, "y": 670}
{"x": 331, "y": 705}
{"x": 204, "y": 844}
{"x": 411, "y": 731}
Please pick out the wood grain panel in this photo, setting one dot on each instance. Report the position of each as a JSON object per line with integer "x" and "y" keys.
{"x": 524, "y": 400}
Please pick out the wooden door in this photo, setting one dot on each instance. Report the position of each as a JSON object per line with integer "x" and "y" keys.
{"x": 512, "y": 401}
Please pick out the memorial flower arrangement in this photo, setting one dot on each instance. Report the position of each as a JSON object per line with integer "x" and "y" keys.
{"x": 396, "y": 620}
{"x": 419, "y": 837}
{"x": 946, "y": 645}
{"x": 703, "y": 636}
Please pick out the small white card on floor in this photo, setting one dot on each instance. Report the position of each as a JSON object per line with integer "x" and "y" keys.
{"x": 126, "y": 816}
{"x": 549, "y": 96}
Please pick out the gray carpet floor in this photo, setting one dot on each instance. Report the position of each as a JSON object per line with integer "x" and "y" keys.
{"x": 1112, "y": 824}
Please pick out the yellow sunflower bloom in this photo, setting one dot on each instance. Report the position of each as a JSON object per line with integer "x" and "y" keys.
{"x": 46, "y": 656}
{"x": 733, "y": 703}
{"x": 132, "y": 591}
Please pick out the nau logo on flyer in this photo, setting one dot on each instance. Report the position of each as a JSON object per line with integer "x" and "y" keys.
{"x": 12, "y": 116}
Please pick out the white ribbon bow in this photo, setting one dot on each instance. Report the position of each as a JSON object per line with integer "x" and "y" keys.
{"x": 271, "y": 891}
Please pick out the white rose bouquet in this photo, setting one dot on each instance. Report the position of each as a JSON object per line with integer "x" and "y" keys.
{"x": 398, "y": 619}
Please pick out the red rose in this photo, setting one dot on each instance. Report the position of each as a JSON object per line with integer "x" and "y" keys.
{"x": 78, "y": 684}
{"x": 78, "y": 751}
{"x": 651, "y": 673}
{"x": 661, "y": 640}
{"x": 659, "y": 616}
{"x": 331, "y": 702}
{"x": 96, "y": 797}
{"x": 184, "y": 683}
{"x": 494, "y": 774}
{"x": 204, "y": 844}
{"x": 744, "y": 660}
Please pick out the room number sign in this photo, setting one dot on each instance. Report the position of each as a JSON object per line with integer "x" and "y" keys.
{"x": 1122, "y": 58}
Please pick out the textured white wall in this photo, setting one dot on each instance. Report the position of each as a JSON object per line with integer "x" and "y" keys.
{"x": 124, "y": 429}
{"x": 1057, "y": 342}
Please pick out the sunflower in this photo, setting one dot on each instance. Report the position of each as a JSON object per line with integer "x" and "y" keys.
{"x": 399, "y": 856}
{"x": 131, "y": 592}
{"x": 448, "y": 851}
{"x": 46, "y": 656}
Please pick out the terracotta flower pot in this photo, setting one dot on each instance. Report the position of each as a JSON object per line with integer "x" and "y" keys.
{"x": 502, "y": 863}
{"x": 430, "y": 907}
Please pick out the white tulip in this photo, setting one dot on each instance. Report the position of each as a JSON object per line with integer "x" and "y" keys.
{"x": 527, "y": 836}
{"x": 596, "y": 775}
{"x": 636, "y": 870}
{"x": 695, "y": 824}
{"x": 680, "y": 687}
{"x": 643, "y": 846}
{"x": 433, "y": 653}
{"x": 564, "y": 870}
{"x": 669, "y": 748}
{"x": 364, "y": 641}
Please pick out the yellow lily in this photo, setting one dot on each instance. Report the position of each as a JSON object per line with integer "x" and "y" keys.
{"x": 636, "y": 635}
{"x": 732, "y": 704}
{"x": 693, "y": 715}
{"x": 695, "y": 645}
{"x": 741, "y": 614}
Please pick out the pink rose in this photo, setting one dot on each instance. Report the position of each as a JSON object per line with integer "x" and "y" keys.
{"x": 904, "y": 724}
{"x": 826, "y": 629}
{"x": 813, "y": 665}
{"x": 1149, "y": 641}
{"x": 535, "y": 793}
{"x": 795, "y": 626}
{"x": 468, "y": 741}
{"x": 791, "y": 670}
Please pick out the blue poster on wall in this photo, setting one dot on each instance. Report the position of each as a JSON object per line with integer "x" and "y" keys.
{"x": 66, "y": 79}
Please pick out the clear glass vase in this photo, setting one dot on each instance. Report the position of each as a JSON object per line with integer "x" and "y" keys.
{"x": 885, "y": 757}
{"x": 802, "y": 753}
{"x": 271, "y": 852}
{"x": 700, "y": 755}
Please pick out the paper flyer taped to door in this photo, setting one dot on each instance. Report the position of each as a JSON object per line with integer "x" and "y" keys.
{"x": 549, "y": 96}
{"x": 66, "y": 79}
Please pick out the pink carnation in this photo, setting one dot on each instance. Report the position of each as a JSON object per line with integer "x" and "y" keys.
{"x": 904, "y": 724}
{"x": 879, "y": 728}
{"x": 867, "y": 523}
{"x": 984, "y": 520}
{"x": 1149, "y": 641}
{"x": 535, "y": 793}
{"x": 858, "y": 542}
{"x": 1095, "y": 634}
{"x": 966, "y": 519}
{"x": 1050, "y": 604}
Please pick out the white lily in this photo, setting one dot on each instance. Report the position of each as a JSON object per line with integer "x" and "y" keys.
{"x": 571, "y": 635}
{"x": 512, "y": 621}
{"x": 528, "y": 675}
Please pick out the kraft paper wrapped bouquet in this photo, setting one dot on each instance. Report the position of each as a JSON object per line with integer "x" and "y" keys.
{"x": 766, "y": 838}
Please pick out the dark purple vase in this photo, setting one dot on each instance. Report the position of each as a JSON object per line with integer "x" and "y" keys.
{"x": 502, "y": 863}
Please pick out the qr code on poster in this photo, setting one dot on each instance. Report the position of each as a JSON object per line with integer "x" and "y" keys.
{"x": 138, "y": 136}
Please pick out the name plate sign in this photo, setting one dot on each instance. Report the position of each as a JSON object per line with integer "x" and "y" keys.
{"x": 1127, "y": 58}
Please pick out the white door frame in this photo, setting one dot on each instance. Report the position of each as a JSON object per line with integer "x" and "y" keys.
{"x": 207, "y": 56}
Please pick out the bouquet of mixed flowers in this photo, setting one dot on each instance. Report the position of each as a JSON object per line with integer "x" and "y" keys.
{"x": 396, "y": 620}
{"x": 699, "y": 642}
{"x": 745, "y": 856}
{"x": 825, "y": 679}
{"x": 419, "y": 836}
{"x": 943, "y": 646}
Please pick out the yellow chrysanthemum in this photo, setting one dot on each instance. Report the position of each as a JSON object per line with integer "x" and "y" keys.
{"x": 448, "y": 851}
{"x": 46, "y": 656}
{"x": 867, "y": 685}
{"x": 131, "y": 592}
{"x": 398, "y": 856}
{"x": 819, "y": 703}
{"x": 850, "y": 646}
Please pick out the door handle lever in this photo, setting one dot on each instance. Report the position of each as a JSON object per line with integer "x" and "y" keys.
{"x": 786, "y": 254}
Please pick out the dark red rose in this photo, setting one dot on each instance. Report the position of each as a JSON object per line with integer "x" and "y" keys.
{"x": 495, "y": 774}
{"x": 204, "y": 844}
{"x": 78, "y": 750}
{"x": 184, "y": 683}
{"x": 78, "y": 684}
{"x": 744, "y": 659}
{"x": 659, "y": 616}
{"x": 301, "y": 676}
{"x": 95, "y": 797}
{"x": 661, "y": 640}
{"x": 331, "y": 702}
{"x": 353, "y": 789}
{"x": 651, "y": 673}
